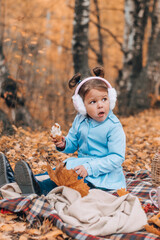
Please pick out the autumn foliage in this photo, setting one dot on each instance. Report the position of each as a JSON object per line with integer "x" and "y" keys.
{"x": 63, "y": 177}
{"x": 122, "y": 192}
{"x": 36, "y": 148}
{"x": 153, "y": 225}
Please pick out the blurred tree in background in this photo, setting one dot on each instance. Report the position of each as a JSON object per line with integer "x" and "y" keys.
{"x": 80, "y": 41}
{"x": 42, "y": 44}
{"x": 139, "y": 79}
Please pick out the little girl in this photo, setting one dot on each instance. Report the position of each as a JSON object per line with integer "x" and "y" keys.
{"x": 96, "y": 134}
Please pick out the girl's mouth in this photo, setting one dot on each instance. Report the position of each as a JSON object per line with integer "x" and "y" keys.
{"x": 101, "y": 114}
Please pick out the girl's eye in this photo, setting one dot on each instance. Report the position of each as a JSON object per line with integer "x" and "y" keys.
{"x": 104, "y": 99}
{"x": 92, "y": 102}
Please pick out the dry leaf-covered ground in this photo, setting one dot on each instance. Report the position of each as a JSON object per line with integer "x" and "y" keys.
{"x": 143, "y": 141}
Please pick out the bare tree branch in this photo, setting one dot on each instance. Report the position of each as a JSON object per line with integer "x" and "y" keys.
{"x": 93, "y": 49}
{"x": 110, "y": 33}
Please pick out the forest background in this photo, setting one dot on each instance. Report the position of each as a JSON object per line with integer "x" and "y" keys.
{"x": 39, "y": 51}
{"x": 42, "y": 44}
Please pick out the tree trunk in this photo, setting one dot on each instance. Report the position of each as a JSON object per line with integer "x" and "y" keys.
{"x": 80, "y": 37}
{"x": 9, "y": 88}
{"x": 99, "y": 52}
{"x": 8, "y": 91}
{"x": 146, "y": 90}
{"x": 5, "y": 125}
{"x": 136, "y": 15}
{"x": 148, "y": 83}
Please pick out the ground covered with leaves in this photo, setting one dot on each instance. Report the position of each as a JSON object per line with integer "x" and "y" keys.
{"x": 35, "y": 147}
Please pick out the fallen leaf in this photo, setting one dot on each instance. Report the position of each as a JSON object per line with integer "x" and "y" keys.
{"x": 64, "y": 177}
{"x": 10, "y": 217}
{"x": 6, "y": 228}
{"x": 152, "y": 229}
{"x": 155, "y": 219}
{"x": 24, "y": 237}
{"x": 5, "y": 236}
{"x": 19, "y": 227}
{"x": 52, "y": 234}
{"x": 122, "y": 192}
{"x": 33, "y": 231}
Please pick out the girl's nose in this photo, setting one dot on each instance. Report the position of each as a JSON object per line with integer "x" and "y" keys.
{"x": 100, "y": 104}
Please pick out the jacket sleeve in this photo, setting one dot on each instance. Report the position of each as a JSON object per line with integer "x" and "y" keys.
{"x": 71, "y": 138}
{"x": 116, "y": 154}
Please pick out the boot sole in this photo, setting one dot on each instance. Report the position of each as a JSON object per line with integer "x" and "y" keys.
{"x": 23, "y": 178}
{"x": 3, "y": 171}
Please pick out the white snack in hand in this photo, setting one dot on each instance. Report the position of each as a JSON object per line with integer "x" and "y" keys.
{"x": 56, "y": 132}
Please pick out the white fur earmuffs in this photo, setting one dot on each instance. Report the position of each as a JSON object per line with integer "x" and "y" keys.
{"x": 78, "y": 101}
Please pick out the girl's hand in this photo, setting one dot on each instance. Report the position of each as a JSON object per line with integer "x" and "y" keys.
{"x": 81, "y": 171}
{"x": 60, "y": 144}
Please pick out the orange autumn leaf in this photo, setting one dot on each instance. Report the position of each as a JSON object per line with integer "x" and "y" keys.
{"x": 63, "y": 177}
{"x": 122, "y": 192}
{"x": 152, "y": 229}
{"x": 153, "y": 225}
{"x": 155, "y": 219}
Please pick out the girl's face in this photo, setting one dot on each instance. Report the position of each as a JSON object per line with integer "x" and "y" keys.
{"x": 97, "y": 104}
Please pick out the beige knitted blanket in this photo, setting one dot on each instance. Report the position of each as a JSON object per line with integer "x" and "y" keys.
{"x": 99, "y": 213}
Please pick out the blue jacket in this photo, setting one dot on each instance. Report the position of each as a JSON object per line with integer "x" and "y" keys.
{"x": 101, "y": 150}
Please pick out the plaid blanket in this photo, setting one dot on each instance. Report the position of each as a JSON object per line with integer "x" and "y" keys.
{"x": 36, "y": 208}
